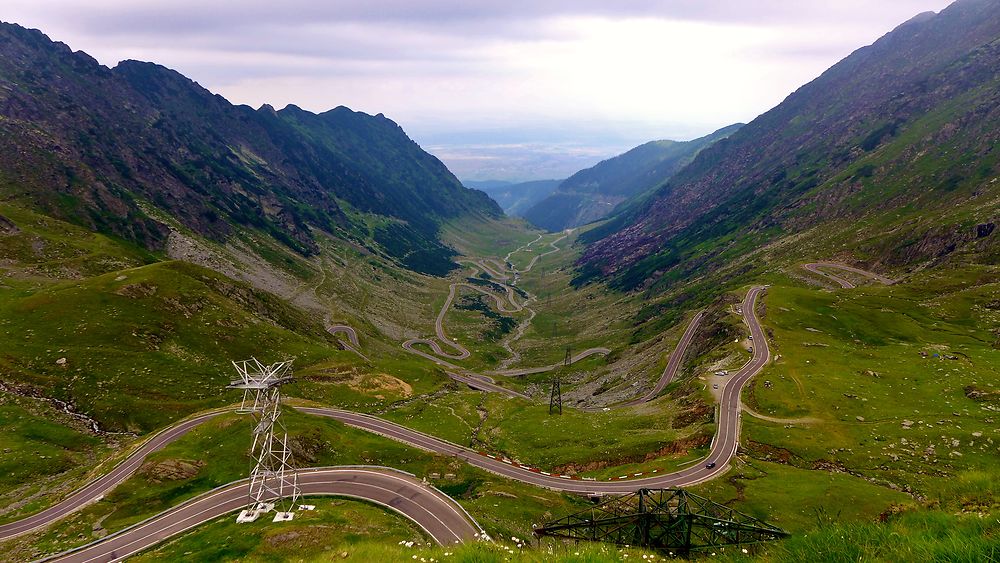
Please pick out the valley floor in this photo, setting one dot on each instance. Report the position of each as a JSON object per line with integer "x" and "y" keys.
{"x": 875, "y": 416}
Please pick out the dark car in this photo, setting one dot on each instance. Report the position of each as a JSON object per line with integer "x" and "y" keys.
{"x": 710, "y": 465}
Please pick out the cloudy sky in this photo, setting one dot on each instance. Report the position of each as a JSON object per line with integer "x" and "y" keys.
{"x": 517, "y": 89}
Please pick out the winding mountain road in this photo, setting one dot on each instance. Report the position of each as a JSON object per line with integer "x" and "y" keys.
{"x": 436, "y": 513}
{"x": 814, "y": 267}
{"x": 542, "y": 369}
{"x": 544, "y": 254}
{"x": 461, "y": 352}
{"x": 351, "y": 344}
{"x": 723, "y": 449}
{"x": 509, "y": 305}
{"x": 352, "y": 335}
{"x": 483, "y": 383}
{"x": 673, "y": 364}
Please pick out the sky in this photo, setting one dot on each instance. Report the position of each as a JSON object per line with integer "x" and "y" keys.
{"x": 509, "y": 89}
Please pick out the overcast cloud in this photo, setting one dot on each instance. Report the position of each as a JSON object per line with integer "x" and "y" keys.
{"x": 593, "y": 76}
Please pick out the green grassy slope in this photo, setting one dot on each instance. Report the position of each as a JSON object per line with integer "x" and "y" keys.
{"x": 793, "y": 474}
{"x": 116, "y": 345}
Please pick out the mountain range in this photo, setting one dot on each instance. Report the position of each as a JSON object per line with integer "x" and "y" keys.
{"x": 515, "y": 198}
{"x": 121, "y": 149}
{"x": 595, "y": 192}
{"x": 892, "y": 152}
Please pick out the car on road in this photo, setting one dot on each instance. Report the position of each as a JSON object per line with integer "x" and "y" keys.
{"x": 710, "y": 465}
{"x": 715, "y": 386}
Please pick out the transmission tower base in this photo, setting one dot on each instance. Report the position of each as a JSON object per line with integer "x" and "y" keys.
{"x": 247, "y": 516}
{"x": 252, "y": 514}
{"x": 283, "y": 516}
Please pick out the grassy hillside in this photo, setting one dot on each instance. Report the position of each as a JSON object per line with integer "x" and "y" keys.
{"x": 792, "y": 473}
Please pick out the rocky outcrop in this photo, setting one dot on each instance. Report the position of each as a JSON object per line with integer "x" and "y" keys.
{"x": 7, "y": 227}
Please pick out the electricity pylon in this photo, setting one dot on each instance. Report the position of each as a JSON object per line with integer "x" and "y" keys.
{"x": 273, "y": 479}
{"x": 555, "y": 396}
{"x": 665, "y": 519}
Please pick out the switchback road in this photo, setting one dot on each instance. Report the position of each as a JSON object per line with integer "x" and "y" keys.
{"x": 351, "y": 344}
{"x": 461, "y": 352}
{"x": 507, "y": 304}
{"x": 432, "y": 510}
{"x": 723, "y": 448}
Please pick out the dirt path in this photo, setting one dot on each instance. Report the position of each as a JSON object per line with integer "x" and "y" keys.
{"x": 803, "y": 420}
{"x": 814, "y": 267}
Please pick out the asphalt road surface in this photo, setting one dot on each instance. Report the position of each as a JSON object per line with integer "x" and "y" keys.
{"x": 673, "y": 364}
{"x": 544, "y": 254}
{"x": 436, "y": 513}
{"x": 483, "y": 383}
{"x": 433, "y": 511}
{"x": 723, "y": 448}
{"x": 441, "y": 357}
{"x": 352, "y": 344}
{"x": 100, "y": 486}
{"x": 461, "y": 352}
{"x": 574, "y": 359}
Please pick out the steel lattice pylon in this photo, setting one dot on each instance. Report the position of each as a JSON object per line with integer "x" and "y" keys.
{"x": 273, "y": 479}
{"x": 555, "y": 396}
{"x": 668, "y": 519}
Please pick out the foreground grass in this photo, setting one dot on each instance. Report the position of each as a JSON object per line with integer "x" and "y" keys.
{"x": 799, "y": 500}
{"x": 343, "y": 539}
{"x": 888, "y": 374}
{"x": 916, "y": 536}
{"x": 336, "y": 527}
{"x": 216, "y": 453}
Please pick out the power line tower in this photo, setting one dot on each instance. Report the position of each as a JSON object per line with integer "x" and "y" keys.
{"x": 273, "y": 479}
{"x": 665, "y": 519}
{"x": 555, "y": 396}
